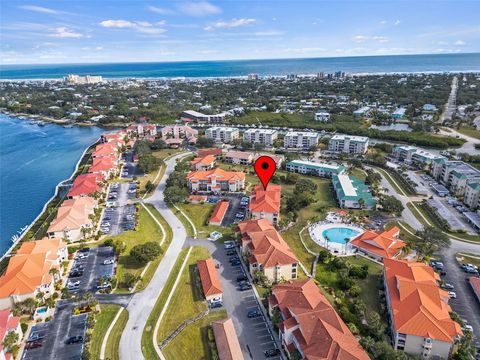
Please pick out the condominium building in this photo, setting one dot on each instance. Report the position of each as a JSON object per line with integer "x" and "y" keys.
{"x": 455, "y": 175}
{"x": 418, "y": 309}
{"x": 472, "y": 195}
{"x": 352, "y": 193}
{"x": 203, "y": 163}
{"x": 265, "y": 203}
{"x": 300, "y": 139}
{"x": 348, "y": 144}
{"x": 309, "y": 325}
{"x": 81, "y": 80}
{"x": 260, "y": 136}
{"x": 414, "y": 155}
{"x": 379, "y": 245}
{"x": 239, "y": 157}
{"x": 322, "y": 115}
{"x": 311, "y": 168}
{"x": 266, "y": 251}
{"x": 222, "y": 134}
{"x": 216, "y": 180}
{"x": 192, "y": 115}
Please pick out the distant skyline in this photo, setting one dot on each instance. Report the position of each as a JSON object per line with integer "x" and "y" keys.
{"x": 102, "y": 31}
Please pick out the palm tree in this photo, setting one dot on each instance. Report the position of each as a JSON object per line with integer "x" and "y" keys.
{"x": 361, "y": 203}
{"x": 40, "y": 296}
{"x": 54, "y": 272}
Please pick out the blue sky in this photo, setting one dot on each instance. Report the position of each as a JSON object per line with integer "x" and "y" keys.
{"x": 45, "y": 32}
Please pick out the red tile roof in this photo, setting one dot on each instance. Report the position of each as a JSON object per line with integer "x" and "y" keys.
{"x": 418, "y": 305}
{"x": 102, "y": 164}
{"x": 242, "y": 155}
{"x": 86, "y": 184}
{"x": 105, "y": 149}
{"x": 267, "y": 201}
{"x": 213, "y": 151}
{"x": 475, "y": 284}
{"x": 317, "y": 328}
{"x": 209, "y": 277}
{"x": 226, "y": 340}
{"x": 218, "y": 174}
{"x": 206, "y": 160}
{"x": 265, "y": 244}
{"x": 8, "y": 323}
{"x": 385, "y": 244}
{"x": 219, "y": 212}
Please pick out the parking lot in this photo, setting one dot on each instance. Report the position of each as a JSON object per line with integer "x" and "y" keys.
{"x": 253, "y": 333}
{"x": 237, "y": 206}
{"x": 120, "y": 215}
{"x": 50, "y": 340}
{"x": 130, "y": 169}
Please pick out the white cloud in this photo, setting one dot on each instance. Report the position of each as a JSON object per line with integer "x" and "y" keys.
{"x": 269, "y": 33}
{"x": 383, "y": 22}
{"x": 160, "y": 10}
{"x": 304, "y": 50}
{"x": 397, "y": 22}
{"x": 460, "y": 43}
{"x": 364, "y": 38}
{"x": 230, "y": 24}
{"x": 64, "y": 32}
{"x": 381, "y": 39}
{"x": 141, "y": 26}
{"x": 40, "y": 9}
{"x": 202, "y": 8}
{"x": 360, "y": 38}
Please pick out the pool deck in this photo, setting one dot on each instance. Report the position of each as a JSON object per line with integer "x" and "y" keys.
{"x": 337, "y": 249}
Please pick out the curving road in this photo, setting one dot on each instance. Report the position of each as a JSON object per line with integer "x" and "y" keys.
{"x": 142, "y": 303}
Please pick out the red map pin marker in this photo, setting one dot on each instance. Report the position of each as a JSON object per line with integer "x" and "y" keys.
{"x": 265, "y": 167}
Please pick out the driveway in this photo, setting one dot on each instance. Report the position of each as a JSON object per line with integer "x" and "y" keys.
{"x": 142, "y": 303}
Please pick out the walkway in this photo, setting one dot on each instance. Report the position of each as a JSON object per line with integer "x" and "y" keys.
{"x": 142, "y": 303}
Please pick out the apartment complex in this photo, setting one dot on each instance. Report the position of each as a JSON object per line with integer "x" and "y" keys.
{"x": 472, "y": 195}
{"x": 266, "y": 251}
{"x": 73, "y": 79}
{"x": 300, "y": 139}
{"x": 192, "y": 115}
{"x": 418, "y": 309}
{"x": 260, "y": 136}
{"x": 455, "y": 175}
{"x": 28, "y": 271}
{"x": 265, "y": 203}
{"x": 317, "y": 169}
{"x": 352, "y": 193}
{"x": 348, "y": 144}
{"x": 239, "y": 157}
{"x": 203, "y": 163}
{"x": 322, "y": 115}
{"x": 413, "y": 155}
{"x": 379, "y": 245}
{"x": 221, "y": 134}
{"x": 216, "y": 180}
{"x": 175, "y": 135}
{"x": 310, "y": 325}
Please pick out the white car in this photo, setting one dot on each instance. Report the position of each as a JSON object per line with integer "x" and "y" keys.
{"x": 452, "y": 295}
{"x": 108, "y": 261}
{"x": 72, "y": 283}
{"x": 468, "y": 328}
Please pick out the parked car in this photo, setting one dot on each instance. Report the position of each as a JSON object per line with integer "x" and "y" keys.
{"x": 104, "y": 286}
{"x": 468, "y": 328}
{"x": 271, "y": 353}
{"x": 34, "y": 344}
{"x": 242, "y": 278}
{"x": 108, "y": 261}
{"x": 244, "y": 287}
{"x": 447, "y": 286}
{"x": 216, "y": 304}
{"x": 229, "y": 245}
{"x": 74, "y": 340}
{"x": 253, "y": 314}
{"x": 452, "y": 295}
{"x": 73, "y": 282}
{"x": 231, "y": 252}
{"x": 75, "y": 274}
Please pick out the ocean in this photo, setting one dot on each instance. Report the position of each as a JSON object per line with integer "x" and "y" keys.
{"x": 198, "y": 69}
{"x": 33, "y": 160}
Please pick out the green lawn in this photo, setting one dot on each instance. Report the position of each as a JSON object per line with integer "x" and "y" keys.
{"x": 188, "y": 293}
{"x": 192, "y": 342}
{"x": 468, "y": 258}
{"x": 359, "y": 173}
{"x": 113, "y": 342}
{"x": 469, "y": 131}
{"x": 103, "y": 321}
{"x": 397, "y": 182}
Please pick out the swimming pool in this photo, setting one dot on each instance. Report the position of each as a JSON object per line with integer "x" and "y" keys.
{"x": 339, "y": 235}
{"x": 42, "y": 310}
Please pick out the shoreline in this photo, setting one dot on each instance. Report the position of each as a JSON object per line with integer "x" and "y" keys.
{"x": 47, "y": 203}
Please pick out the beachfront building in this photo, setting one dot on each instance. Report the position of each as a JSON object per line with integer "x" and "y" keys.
{"x": 226, "y": 340}
{"x": 176, "y": 135}
{"x": 218, "y": 213}
{"x": 300, "y": 139}
{"x": 348, "y": 144}
{"x": 238, "y": 157}
{"x": 28, "y": 271}
{"x": 216, "y": 180}
{"x": 455, "y": 175}
{"x": 72, "y": 79}
{"x": 211, "y": 286}
{"x": 192, "y": 115}
{"x": 260, "y": 136}
{"x": 413, "y": 155}
{"x": 352, "y": 193}
{"x": 74, "y": 220}
{"x": 418, "y": 309}
{"x": 379, "y": 245}
{"x": 222, "y": 134}
{"x": 472, "y": 194}
{"x": 85, "y": 185}
{"x": 8, "y": 324}
{"x": 317, "y": 169}
{"x": 105, "y": 166}
{"x": 265, "y": 203}
{"x": 266, "y": 251}
{"x": 203, "y": 163}
{"x": 309, "y": 326}
{"x": 322, "y": 115}
{"x": 116, "y": 138}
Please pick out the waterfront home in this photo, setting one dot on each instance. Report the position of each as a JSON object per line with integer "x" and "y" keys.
{"x": 222, "y": 134}
{"x": 309, "y": 326}
{"x": 379, "y": 245}
{"x": 455, "y": 175}
{"x": 116, "y": 138}
{"x": 175, "y": 135}
{"x": 265, "y": 203}
{"x": 105, "y": 166}
{"x": 192, "y": 115}
{"x": 142, "y": 130}
{"x": 300, "y": 139}
{"x": 348, "y": 144}
{"x": 317, "y": 169}
{"x": 216, "y": 180}
{"x": 226, "y": 340}
{"x": 211, "y": 286}
{"x": 266, "y": 251}
{"x": 8, "y": 324}
{"x": 418, "y": 310}
{"x": 218, "y": 213}
{"x": 28, "y": 271}
{"x": 352, "y": 193}
{"x": 85, "y": 185}
{"x": 260, "y": 136}
{"x": 239, "y": 157}
{"x": 74, "y": 220}
{"x": 413, "y": 155}
{"x": 105, "y": 150}
{"x": 203, "y": 163}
